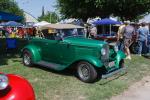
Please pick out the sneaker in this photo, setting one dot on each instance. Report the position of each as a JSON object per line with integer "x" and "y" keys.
{"x": 128, "y": 57}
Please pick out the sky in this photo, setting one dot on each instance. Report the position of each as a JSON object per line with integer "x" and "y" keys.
{"x": 34, "y": 7}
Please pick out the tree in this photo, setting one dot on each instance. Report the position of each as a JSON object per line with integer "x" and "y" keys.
{"x": 43, "y": 11}
{"x": 11, "y": 7}
{"x": 77, "y": 8}
{"x": 51, "y": 17}
{"x": 126, "y": 9}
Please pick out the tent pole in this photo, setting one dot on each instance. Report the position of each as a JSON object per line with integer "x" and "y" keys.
{"x": 110, "y": 29}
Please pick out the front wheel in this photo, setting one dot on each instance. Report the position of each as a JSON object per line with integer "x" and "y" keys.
{"x": 27, "y": 58}
{"x": 86, "y": 72}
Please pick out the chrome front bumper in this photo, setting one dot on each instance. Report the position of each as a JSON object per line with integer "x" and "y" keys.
{"x": 121, "y": 70}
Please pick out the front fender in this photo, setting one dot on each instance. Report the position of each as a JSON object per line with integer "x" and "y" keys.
{"x": 93, "y": 60}
{"x": 18, "y": 89}
{"x": 120, "y": 55}
{"x": 35, "y": 51}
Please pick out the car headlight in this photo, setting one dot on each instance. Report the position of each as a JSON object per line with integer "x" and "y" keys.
{"x": 116, "y": 48}
{"x": 103, "y": 51}
{"x": 3, "y": 81}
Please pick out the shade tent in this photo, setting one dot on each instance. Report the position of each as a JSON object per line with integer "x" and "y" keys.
{"x": 106, "y": 21}
{"x": 9, "y": 16}
{"x": 62, "y": 26}
{"x": 2, "y": 24}
{"x": 12, "y": 24}
{"x": 40, "y": 24}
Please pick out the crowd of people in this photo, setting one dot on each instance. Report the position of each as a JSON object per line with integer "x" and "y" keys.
{"x": 125, "y": 35}
{"x": 17, "y": 32}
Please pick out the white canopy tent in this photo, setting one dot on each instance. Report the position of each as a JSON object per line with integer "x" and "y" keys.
{"x": 42, "y": 23}
{"x": 145, "y": 19}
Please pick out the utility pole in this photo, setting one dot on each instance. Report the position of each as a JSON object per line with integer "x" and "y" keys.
{"x": 50, "y": 17}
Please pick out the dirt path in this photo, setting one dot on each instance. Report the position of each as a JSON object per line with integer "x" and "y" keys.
{"x": 138, "y": 91}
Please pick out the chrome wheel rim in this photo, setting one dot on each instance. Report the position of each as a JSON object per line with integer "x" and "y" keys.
{"x": 26, "y": 59}
{"x": 84, "y": 72}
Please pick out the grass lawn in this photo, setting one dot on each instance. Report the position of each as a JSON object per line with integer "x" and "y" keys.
{"x": 50, "y": 85}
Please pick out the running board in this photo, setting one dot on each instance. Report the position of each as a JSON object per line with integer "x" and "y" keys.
{"x": 114, "y": 72}
{"x": 54, "y": 66}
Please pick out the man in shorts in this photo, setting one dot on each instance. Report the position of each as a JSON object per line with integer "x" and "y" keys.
{"x": 128, "y": 32}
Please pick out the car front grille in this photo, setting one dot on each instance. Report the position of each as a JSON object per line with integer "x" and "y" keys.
{"x": 105, "y": 58}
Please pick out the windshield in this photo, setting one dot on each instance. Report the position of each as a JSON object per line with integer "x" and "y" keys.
{"x": 72, "y": 32}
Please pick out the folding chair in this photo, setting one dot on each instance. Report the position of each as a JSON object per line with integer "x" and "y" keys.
{"x": 11, "y": 44}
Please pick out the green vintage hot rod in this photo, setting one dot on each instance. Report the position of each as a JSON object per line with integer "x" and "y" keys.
{"x": 64, "y": 45}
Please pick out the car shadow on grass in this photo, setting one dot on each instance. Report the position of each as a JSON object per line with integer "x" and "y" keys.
{"x": 70, "y": 71}
{"x": 114, "y": 77}
{"x": 65, "y": 72}
{"x": 6, "y": 57}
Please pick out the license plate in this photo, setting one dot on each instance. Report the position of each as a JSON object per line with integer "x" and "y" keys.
{"x": 111, "y": 64}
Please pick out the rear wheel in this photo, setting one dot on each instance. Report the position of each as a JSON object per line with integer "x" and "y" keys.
{"x": 86, "y": 72}
{"x": 27, "y": 61}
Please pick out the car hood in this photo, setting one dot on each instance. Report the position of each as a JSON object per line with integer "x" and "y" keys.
{"x": 81, "y": 41}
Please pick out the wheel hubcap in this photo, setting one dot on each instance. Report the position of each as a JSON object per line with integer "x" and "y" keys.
{"x": 84, "y": 72}
{"x": 26, "y": 59}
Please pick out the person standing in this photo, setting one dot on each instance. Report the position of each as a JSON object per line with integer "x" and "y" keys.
{"x": 120, "y": 37}
{"x": 93, "y": 31}
{"x": 142, "y": 35}
{"x": 128, "y": 32}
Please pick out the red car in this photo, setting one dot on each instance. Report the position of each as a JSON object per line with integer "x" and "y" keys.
{"x": 106, "y": 37}
{"x": 13, "y": 87}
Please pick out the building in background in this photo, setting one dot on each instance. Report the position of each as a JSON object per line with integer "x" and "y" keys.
{"x": 29, "y": 19}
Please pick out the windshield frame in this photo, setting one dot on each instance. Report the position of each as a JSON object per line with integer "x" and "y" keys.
{"x": 63, "y": 35}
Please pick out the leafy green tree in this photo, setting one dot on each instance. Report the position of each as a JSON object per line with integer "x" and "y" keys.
{"x": 51, "y": 17}
{"x": 126, "y": 9}
{"x": 77, "y": 8}
{"x": 10, "y": 6}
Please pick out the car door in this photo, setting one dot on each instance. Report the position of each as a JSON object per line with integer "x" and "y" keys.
{"x": 66, "y": 52}
{"x": 50, "y": 49}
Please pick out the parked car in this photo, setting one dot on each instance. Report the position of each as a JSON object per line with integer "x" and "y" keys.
{"x": 64, "y": 45}
{"x": 106, "y": 37}
{"x": 13, "y": 87}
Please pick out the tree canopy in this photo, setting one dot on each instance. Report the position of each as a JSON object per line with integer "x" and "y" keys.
{"x": 11, "y": 7}
{"x": 51, "y": 17}
{"x": 125, "y": 9}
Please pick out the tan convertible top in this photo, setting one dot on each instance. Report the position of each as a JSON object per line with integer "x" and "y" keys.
{"x": 61, "y": 26}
